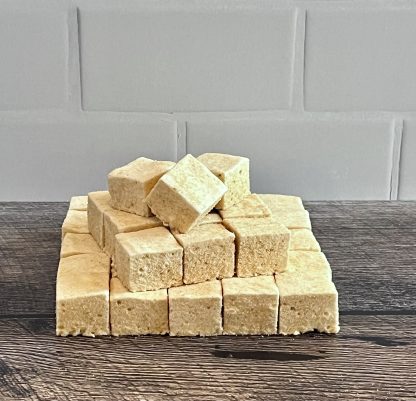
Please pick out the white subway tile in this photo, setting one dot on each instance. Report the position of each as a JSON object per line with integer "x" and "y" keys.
{"x": 316, "y": 159}
{"x": 360, "y": 59}
{"x": 50, "y": 161}
{"x": 207, "y": 58}
{"x": 33, "y": 57}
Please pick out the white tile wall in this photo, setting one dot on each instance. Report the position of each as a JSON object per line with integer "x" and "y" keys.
{"x": 360, "y": 59}
{"x": 33, "y": 57}
{"x": 52, "y": 160}
{"x": 320, "y": 94}
{"x": 179, "y": 60}
{"x": 407, "y": 188}
{"x": 311, "y": 158}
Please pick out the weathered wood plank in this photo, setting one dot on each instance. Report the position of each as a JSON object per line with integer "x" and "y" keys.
{"x": 370, "y": 245}
{"x": 372, "y": 250}
{"x": 364, "y": 214}
{"x": 374, "y": 357}
{"x": 29, "y": 254}
{"x": 374, "y": 270}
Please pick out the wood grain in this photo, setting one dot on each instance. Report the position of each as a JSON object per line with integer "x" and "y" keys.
{"x": 372, "y": 358}
{"x": 29, "y": 255}
{"x": 371, "y": 247}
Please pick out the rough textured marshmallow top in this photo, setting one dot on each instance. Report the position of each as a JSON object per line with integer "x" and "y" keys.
{"x": 100, "y": 198}
{"x": 250, "y": 206}
{"x": 274, "y": 201}
{"x": 83, "y": 275}
{"x": 307, "y": 263}
{"x": 220, "y": 163}
{"x": 77, "y": 221}
{"x": 142, "y": 169}
{"x": 128, "y": 221}
{"x": 260, "y": 285}
{"x": 119, "y": 292}
{"x": 204, "y": 233}
{"x": 152, "y": 240}
{"x": 290, "y": 284}
{"x": 303, "y": 239}
{"x": 293, "y": 218}
{"x": 254, "y": 227}
{"x": 79, "y": 202}
{"x": 195, "y": 183}
{"x": 208, "y": 289}
{"x": 74, "y": 244}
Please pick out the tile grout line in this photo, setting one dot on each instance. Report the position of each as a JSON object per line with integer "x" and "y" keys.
{"x": 305, "y": 16}
{"x": 396, "y": 157}
{"x": 298, "y": 64}
{"x": 78, "y": 39}
{"x": 74, "y": 64}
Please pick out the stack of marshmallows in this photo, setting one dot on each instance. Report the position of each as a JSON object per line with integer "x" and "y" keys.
{"x": 186, "y": 249}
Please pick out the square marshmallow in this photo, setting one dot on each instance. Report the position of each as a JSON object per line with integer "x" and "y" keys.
{"x": 82, "y": 295}
{"x": 98, "y": 203}
{"x": 116, "y": 222}
{"x": 137, "y": 313}
{"x": 303, "y": 239}
{"x": 77, "y": 244}
{"x": 76, "y": 221}
{"x": 195, "y": 310}
{"x": 233, "y": 171}
{"x": 262, "y": 246}
{"x": 250, "y": 305}
{"x": 307, "y": 303}
{"x": 250, "y": 206}
{"x": 148, "y": 259}
{"x": 185, "y": 194}
{"x": 78, "y": 203}
{"x": 208, "y": 253}
{"x": 129, "y": 185}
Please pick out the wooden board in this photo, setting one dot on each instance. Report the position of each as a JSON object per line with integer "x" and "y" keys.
{"x": 371, "y": 247}
{"x": 372, "y": 358}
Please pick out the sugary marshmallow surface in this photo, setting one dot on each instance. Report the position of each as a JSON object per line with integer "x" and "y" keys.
{"x": 278, "y": 202}
{"x": 307, "y": 303}
{"x": 233, "y": 171}
{"x": 77, "y": 244}
{"x": 309, "y": 264}
{"x": 287, "y": 210}
{"x": 250, "y": 206}
{"x": 308, "y": 298}
{"x": 185, "y": 194}
{"x": 148, "y": 259}
{"x": 78, "y": 203}
{"x": 137, "y": 313}
{"x": 208, "y": 253}
{"x": 98, "y": 203}
{"x": 250, "y": 305}
{"x": 76, "y": 221}
{"x": 262, "y": 246}
{"x": 295, "y": 219}
{"x": 116, "y": 222}
{"x": 129, "y": 185}
{"x": 82, "y": 295}
{"x": 195, "y": 310}
{"x": 303, "y": 240}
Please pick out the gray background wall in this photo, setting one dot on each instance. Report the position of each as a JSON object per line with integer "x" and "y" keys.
{"x": 321, "y": 95}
